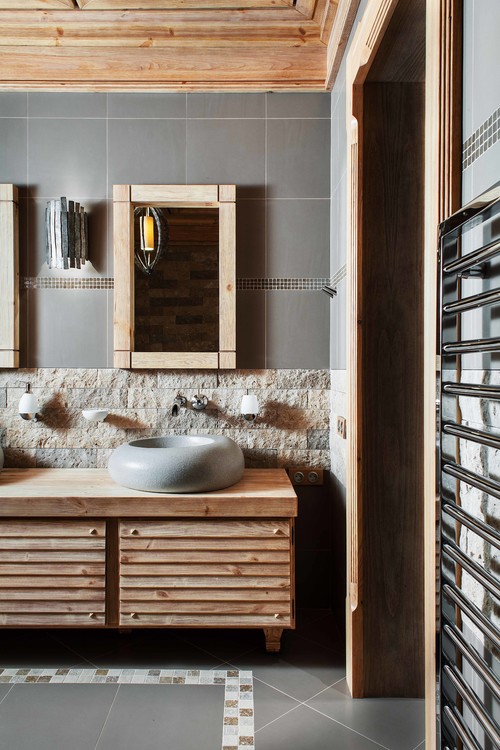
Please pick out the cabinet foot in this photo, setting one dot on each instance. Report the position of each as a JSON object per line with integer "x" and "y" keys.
{"x": 273, "y": 638}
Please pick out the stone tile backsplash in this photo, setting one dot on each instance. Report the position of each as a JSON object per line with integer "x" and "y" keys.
{"x": 293, "y": 427}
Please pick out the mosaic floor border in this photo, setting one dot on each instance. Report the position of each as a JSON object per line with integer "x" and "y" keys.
{"x": 238, "y": 715}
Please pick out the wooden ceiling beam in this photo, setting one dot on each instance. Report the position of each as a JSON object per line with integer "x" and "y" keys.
{"x": 182, "y": 67}
{"x": 36, "y": 4}
{"x": 147, "y": 5}
{"x": 255, "y": 45}
{"x": 107, "y": 32}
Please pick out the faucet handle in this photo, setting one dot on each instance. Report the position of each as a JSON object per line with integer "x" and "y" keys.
{"x": 199, "y": 402}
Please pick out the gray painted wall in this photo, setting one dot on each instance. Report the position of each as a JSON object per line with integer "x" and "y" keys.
{"x": 275, "y": 147}
{"x": 481, "y": 97}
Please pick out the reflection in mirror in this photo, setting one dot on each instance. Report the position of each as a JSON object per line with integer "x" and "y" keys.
{"x": 177, "y": 300}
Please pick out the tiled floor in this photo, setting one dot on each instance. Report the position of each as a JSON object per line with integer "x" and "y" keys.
{"x": 300, "y": 695}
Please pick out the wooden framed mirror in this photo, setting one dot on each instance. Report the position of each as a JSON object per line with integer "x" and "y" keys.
{"x": 182, "y": 314}
{"x": 9, "y": 276}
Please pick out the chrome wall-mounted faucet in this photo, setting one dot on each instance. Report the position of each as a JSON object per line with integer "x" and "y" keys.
{"x": 179, "y": 403}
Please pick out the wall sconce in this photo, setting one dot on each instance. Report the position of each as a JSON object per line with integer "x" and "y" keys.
{"x": 249, "y": 407}
{"x": 28, "y": 405}
{"x": 66, "y": 234}
{"x": 150, "y": 238}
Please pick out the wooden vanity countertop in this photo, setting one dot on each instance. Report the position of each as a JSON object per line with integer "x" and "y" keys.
{"x": 92, "y": 492}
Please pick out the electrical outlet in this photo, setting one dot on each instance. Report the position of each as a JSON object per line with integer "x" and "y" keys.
{"x": 305, "y": 475}
{"x": 341, "y": 427}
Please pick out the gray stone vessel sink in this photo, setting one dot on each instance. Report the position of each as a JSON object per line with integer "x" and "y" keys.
{"x": 177, "y": 463}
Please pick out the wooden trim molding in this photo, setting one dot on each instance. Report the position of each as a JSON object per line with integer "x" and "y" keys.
{"x": 443, "y": 175}
{"x": 125, "y": 199}
{"x": 442, "y": 197}
{"x": 9, "y": 276}
{"x": 110, "y": 45}
{"x": 364, "y": 46}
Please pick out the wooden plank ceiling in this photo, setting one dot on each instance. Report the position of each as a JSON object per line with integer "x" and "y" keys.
{"x": 172, "y": 45}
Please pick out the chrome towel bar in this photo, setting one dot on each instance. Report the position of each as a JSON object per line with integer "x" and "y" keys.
{"x": 485, "y": 484}
{"x": 473, "y": 259}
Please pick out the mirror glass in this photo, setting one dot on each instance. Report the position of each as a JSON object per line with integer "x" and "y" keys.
{"x": 176, "y": 306}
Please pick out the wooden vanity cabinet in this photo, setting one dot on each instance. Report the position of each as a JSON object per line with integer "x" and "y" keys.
{"x": 77, "y": 550}
{"x": 52, "y": 573}
{"x": 212, "y": 573}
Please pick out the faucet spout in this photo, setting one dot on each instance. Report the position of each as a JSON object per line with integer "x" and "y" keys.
{"x": 179, "y": 403}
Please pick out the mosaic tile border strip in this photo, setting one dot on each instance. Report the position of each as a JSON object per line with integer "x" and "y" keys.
{"x": 486, "y": 135}
{"x": 238, "y": 716}
{"x": 250, "y": 285}
{"x": 58, "y": 282}
{"x": 303, "y": 284}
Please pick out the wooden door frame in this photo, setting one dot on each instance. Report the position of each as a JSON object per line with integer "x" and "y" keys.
{"x": 442, "y": 197}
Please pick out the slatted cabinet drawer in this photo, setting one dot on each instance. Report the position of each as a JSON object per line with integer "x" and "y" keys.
{"x": 206, "y": 573}
{"x": 52, "y": 573}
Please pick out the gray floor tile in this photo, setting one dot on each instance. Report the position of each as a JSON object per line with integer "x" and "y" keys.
{"x": 303, "y": 729}
{"x": 301, "y": 670}
{"x": 396, "y": 723}
{"x": 156, "y": 717}
{"x": 269, "y": 703}
{"x": 54, "y": 717}
{"x": 4, "y": 689}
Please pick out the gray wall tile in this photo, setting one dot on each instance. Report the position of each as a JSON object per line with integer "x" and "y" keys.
{"x": 65, "y": 326}
{"x": 13, "y": 151}
{"x": 298, "y": 238}
{"x": 13, "y": 104}
{"x": 66, "y": 104}
{"x": 298, "y": 159}
{"x": 250, "y": 239}
{"x": 338, "y": 312}
{"x": 147, "y": 151}
{"x": 227, "y": 152}
{"x": 485, "y": 81}
{"x": 67, "y": 159}
{"x": 297, "y": 329}
{"x": 485, "y": 171}
{"x": 145, "y": 138}
{"x": 147, "y": 105}
{"x": 226, "y": 105}
{"x": 250, "y": 329}
{"x": 338, "y": 252}
{"x": 298, "y": 105}
{"x": 468, "y": 69}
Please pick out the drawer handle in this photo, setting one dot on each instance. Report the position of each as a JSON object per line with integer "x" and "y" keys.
{"x": 134, "y": 532}
{"x": 134, "y": 615}
{"x": 277, "y": 617}
{"x": 276, "y": 531}
{"x": 93, "y": 532}
{"x": 92, "y": 615}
